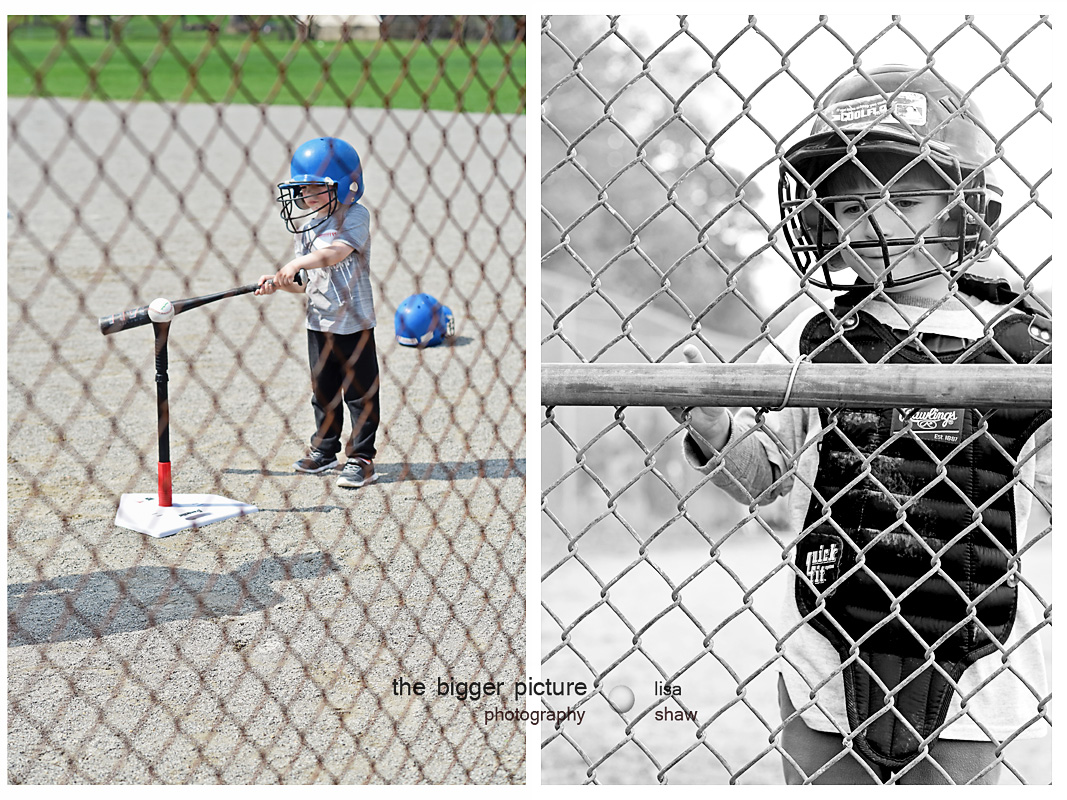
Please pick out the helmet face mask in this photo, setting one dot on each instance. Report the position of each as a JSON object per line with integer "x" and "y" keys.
{"x": 292, "y": 197}
{"x": 301, "y": 191}
{"x": 331, "y": 164}
{"x": 823, "y": 245}
{"x": 894, "y": 135}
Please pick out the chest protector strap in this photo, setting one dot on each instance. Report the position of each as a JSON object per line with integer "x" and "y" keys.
{"x": 907, "y": 562}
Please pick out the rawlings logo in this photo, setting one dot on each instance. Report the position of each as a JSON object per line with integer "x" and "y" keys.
{"x": 934, "y": 424}
{"x": 933, "y": 418}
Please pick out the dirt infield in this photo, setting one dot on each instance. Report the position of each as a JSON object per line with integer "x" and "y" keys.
{"x": 260, "y": 649}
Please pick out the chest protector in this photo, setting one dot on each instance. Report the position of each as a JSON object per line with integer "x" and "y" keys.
{"x": 908, "y": 560}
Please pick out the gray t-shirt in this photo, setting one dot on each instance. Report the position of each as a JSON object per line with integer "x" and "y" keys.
{"x": 339, "y": 297}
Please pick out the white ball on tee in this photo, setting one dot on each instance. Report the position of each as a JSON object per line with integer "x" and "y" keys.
{"x": 161, "y": 310}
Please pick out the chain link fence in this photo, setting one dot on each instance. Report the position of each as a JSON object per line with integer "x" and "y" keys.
{"x": 143, "y": 159}
{"x": 661, "y": 226}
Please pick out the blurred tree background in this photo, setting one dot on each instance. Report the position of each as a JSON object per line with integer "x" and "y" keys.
{"x": 647, "y": 233}
{"x": 632, "y": 185}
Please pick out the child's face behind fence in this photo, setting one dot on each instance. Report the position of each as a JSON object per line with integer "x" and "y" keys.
{"x": 315, "y": 196}
{"x": 902, "y": 219}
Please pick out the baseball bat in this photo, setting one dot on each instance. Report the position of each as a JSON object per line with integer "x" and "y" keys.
{"x": 136, "y": 317}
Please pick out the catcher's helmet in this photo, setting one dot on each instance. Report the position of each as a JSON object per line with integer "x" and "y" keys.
{"x": 422, "y": 321}
{"x": 331, "y": 165}
{"x": 912, "y": 118}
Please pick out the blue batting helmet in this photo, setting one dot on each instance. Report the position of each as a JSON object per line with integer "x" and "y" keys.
{"x": 422, "y": 321}
{"x": 333, "y": 165}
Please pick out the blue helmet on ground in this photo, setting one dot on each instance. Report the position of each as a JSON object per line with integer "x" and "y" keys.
{"x": 422, "y": 321}
{"x": 323, "y": 165}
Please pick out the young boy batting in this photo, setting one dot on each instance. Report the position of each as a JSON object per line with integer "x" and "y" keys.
{"x": 332, "y": 243}
{"x": 904, "y": 602}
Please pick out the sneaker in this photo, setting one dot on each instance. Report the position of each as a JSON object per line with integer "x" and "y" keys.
{"x": 357, "y": 472}
{"x": 315, "y": 462}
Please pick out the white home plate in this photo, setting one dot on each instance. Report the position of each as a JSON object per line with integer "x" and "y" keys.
{"x": 142, "y": 513}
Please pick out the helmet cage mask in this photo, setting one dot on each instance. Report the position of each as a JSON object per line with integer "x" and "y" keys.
{"x": 291, "y": 196}
{"x": 911, "y": 118}
{"x": 822, "y": 246}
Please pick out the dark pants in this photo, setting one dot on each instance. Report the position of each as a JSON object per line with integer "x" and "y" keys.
{"x": 344, "y": 369}
{"x": 948, "y": 762}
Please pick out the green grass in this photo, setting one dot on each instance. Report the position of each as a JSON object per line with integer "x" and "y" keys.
{"x": 193, "y": 66}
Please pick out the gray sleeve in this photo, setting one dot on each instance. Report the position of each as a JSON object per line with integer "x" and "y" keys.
{"x": 356, "y": 228}
{"x": 755, "y": 466}
{"x": 1042, "y": 443}
{"x": 751, "y": 465}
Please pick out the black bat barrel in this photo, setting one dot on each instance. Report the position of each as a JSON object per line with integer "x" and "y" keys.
{"x": 136, "y": 317}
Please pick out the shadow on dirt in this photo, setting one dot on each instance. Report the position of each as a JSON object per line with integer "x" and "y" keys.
{"x": 109, "y": 602}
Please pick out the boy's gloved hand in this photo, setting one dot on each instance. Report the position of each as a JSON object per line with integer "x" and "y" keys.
{"x": 709, "y": 425}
